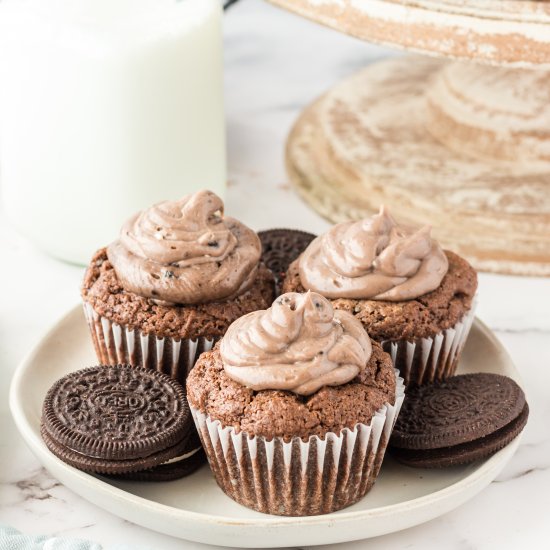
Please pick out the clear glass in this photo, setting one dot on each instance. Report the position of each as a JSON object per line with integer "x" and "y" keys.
{"x": 106, "y": 107}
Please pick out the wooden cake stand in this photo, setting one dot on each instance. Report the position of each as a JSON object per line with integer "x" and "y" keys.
{"x": 462, "y": 144}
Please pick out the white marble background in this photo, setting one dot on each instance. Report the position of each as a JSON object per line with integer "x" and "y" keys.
{"x": 275, "y": 64}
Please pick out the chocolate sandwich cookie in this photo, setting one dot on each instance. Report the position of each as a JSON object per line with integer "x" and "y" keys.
{"x": 459, "y": 420}
{"x": 116, "y": 419}
{"x": 280, "y": 247}
{"x": 192, "y": 458}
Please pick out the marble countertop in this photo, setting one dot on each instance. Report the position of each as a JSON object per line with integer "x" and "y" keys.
{"x": 275, "y": 64}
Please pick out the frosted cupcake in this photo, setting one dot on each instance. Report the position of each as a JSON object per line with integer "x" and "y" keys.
{"x": 295, "y": 407}
{"x": 410, "y": 294}
{"x": 169, "y": 287}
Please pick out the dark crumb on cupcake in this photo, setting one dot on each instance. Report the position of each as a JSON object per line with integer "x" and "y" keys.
{"x": 274, "y": 413}
{"x": 104, "y": 292}
{"x": 419, "y": 318}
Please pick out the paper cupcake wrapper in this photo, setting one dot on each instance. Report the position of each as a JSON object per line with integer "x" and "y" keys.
{"x": 117, "y": 344}
{"x": 298, "y": 478}
{"x": 426, "y": 360}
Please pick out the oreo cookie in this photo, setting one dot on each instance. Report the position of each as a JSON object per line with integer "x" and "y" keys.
{"x": 116, "y": 419}
{"x": 280, "y": 247}
{"x": 458, "y": 420}
{"x": 189, "y": 462}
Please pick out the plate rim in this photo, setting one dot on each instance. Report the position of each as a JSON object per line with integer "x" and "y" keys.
{"x": 493, "y": 464}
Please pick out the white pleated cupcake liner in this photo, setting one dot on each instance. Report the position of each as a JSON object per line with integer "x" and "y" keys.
{"x": 117, "y": 344}
{"x": 426, "y": 360}
{"x": 298, "y": 478}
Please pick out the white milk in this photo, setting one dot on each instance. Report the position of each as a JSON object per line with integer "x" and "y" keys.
{"x": 106, "y": 106}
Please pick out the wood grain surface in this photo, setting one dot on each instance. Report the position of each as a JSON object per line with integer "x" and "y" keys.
{"x": 498, "y": 32}
{"x": 401, "y": 132}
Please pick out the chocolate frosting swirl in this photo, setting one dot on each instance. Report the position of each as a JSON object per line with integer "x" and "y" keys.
{"x": 299, "y": 344}
{"x": 185, "y": 252}
{"x": 374, "y": 259}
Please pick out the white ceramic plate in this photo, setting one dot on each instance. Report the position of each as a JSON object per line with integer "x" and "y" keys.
{"x": 194, "y": 508}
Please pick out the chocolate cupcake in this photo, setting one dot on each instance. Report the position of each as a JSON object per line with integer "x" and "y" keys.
{"x": 179, "y": 274}
{"x": 414, "y": 298}
{"x": 295, "y": 407}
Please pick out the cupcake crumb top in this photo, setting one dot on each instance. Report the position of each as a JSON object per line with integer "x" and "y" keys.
{"x": 422, "y": 317}
{"x": 278, "y": 413}
{"x": 103, "y": 291}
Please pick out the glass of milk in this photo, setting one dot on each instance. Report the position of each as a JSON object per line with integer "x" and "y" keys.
{"x": 106, "y": 107}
